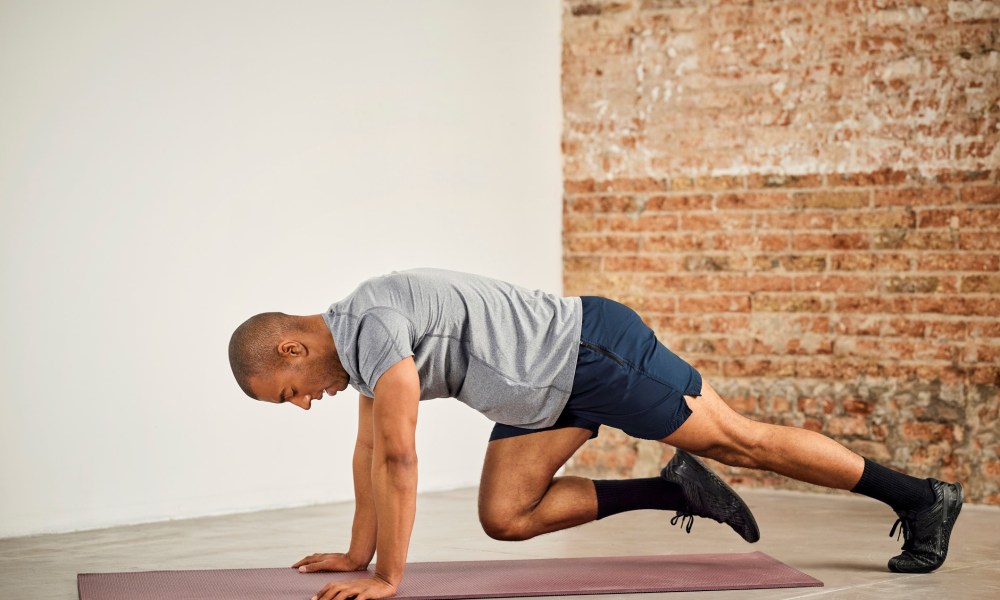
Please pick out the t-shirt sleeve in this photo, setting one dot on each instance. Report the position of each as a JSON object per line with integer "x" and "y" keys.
{"x": 383, "y": 340}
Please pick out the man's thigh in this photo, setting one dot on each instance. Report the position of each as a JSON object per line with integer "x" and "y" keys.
{"x": 518, "y": 470}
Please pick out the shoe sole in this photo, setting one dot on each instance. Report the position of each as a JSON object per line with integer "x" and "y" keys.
{"x": 949, "y": 524}
{"x": 754, "y": 534}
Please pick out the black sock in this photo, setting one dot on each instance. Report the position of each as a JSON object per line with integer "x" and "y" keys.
{"x": 898, "y": 490}
{"x": 620, "y": 495}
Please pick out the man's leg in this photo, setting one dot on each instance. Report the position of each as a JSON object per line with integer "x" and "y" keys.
{"x": 518, "y": 496}
{"x": 716, "y": 431}
{"x": 927, "y": 509}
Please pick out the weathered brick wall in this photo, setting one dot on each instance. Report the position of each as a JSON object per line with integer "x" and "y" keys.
{"x": 803, "y": 200}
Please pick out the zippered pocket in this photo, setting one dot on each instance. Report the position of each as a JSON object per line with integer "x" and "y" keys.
{"x": 605, "y": 352}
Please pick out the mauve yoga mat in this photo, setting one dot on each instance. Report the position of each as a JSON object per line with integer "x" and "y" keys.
{"x": 466, "y": 579}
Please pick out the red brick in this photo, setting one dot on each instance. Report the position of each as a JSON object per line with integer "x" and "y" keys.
{"x": 756, "y": 367}
{"x": 882, "y": 177}
{"x": 795, "y": 220}
{"x": 853, "y": 425}
{"x": 985, "y": 375}
{"x": 985, "y": 329}
{"x": 978, "y": 175}
{"x": 604, "y": 204}
{"x": 816, "y": 406}
{"x": 790, "y": 262}
{"x": 830, "y": 199}
{"x": 836, "y": 283}
{"x": 676, "y": 283}
{"x": 601, "y": 243}
{"x": 866, "y": 261}
{"x": 789, "y": 303}
{"x": 645, "y": 184}
{"x": 973, "y": 218}
{"x": 694, "y": 221}
{"x": 754, "y": 200}
{"x": 928, "y": 432}
{"x": 951, "y": 305}
{"x": 853, "y": 325}
{"x": 757, "y": 181}
{"x": 582, "y": 263}
{"x": 985, "y": 194}
{"x": 915, "y": 197}
{"x": 716, "y": 262}
{"x": 585, "y": 283}
{"x": 749, "y": 241}
{"x": 873, "y": 304}
{"x": 743, "y": 403}
{"x": 919, "y": 284}
{"x": 831, "y": 241}
{"x": 981, "y": 283}
{"x": 754, "y": 283}
{"x": 656, "y": 222}
{"x": 958, "y": 262}
{"x": 979, "y": 353}
{"x": 874, "y": 219}
{"x": 642, "y": 263}
{"x": 915, "y": 240}
{"x": 947, "y": 330}
{"x": 582, "y": 186}
{"x": 714, "y": 303}
{"x": 812, "y": 425}
{"x": 674, "y": 242}
{"x": 646, "y": 302}
{"x": 679, "y": 202}
{"x": 979, "y": 240}
{"x": 729, "y": 182}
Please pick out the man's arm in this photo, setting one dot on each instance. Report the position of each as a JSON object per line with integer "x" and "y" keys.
{"x": 394, "y": 465}
{"x": 365, "y": 529}
{"x": 393, "y": 480}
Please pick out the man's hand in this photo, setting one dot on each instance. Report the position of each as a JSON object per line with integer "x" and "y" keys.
{"x": 360, "y": 589}
{"x": 328, "y": 562}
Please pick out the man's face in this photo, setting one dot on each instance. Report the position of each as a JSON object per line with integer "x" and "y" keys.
{"x": 301, "y": 380}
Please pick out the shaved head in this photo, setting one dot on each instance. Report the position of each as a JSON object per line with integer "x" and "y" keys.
{"x": 253, "y": 347}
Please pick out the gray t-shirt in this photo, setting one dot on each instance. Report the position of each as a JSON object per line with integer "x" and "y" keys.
{"x": 506, "y": 351}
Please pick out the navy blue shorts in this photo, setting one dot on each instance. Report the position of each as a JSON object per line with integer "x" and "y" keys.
{"x": 625, "y": 378}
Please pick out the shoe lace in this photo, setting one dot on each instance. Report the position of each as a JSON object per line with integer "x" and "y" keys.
{"x": 905, "y": 529}
{"x": 685, "y": 519}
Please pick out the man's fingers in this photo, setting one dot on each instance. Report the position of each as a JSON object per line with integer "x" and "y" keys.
{"x": 328, "y": 564}
{"x": 305, "y": 560}
{"x": 328, "y": 592}
{"x": 318, "y": 565}
{"x": 335, "y": 591}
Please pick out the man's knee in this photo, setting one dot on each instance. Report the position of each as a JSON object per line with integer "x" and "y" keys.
{"x": 504, "y": 523}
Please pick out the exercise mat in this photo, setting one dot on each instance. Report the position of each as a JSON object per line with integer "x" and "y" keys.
{"x": 466, "y": 579}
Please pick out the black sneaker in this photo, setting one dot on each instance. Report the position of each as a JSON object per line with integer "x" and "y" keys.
{"x": 926, "y": 532}
{"x": 708, "y": 496}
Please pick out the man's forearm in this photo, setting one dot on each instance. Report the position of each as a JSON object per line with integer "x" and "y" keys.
{"x": 364, "y": 533}
{"x": 395, "y": 485}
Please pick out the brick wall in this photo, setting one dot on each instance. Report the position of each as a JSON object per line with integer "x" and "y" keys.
{"x": 803, "y": 200}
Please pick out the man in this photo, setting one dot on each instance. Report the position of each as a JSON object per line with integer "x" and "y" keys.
{"x": 549, "y": 370}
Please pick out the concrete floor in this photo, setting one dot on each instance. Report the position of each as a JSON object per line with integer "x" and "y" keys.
{"x": 841, "y": 540}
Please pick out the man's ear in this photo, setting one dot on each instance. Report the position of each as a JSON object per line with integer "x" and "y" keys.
{"x": 288, "y": 348}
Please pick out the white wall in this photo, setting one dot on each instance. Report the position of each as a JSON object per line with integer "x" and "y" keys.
{"x": 168, "y": 169}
